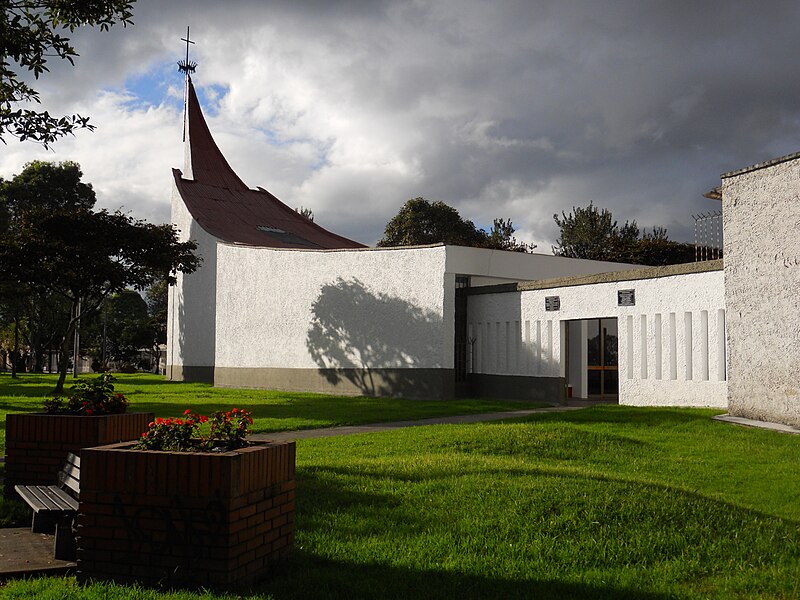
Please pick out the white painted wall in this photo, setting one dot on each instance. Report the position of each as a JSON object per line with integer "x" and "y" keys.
{"x": 191, "y": 301}
{"x": 761, "y": 219}
{"x": 685, "y": 368}
{"x": 377, "y": 308}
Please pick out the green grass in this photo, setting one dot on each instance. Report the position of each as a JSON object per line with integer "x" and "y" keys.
{"x": 608, "y": 502}
{"x": 272, "y": 411}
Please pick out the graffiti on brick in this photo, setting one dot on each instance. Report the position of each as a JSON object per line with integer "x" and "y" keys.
{"x": 153, "y": 528}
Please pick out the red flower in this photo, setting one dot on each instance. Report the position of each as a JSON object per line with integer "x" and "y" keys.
{"x": 88, "y": 411}
{"x": 150, "y": 424}
{"x": 203, "y": 418}
{"x": 187, "y": 411}
{"x": 159, "y": 421}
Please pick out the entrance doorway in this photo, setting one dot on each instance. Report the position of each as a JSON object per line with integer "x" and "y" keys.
{"x": 592, "y": 358}
{"x": 602, "y": 358}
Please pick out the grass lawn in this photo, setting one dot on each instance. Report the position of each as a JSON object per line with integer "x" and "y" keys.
{"x": 607, "y": 502}
{"x": 272, "y": 411}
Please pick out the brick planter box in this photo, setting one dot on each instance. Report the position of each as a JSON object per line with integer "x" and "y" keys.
{"x": 185, "y": 519}
{"x": 37, "y": 443}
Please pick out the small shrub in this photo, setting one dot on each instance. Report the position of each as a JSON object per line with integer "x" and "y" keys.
{"x": 90, "y": 397}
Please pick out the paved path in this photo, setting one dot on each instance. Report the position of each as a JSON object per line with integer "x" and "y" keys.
{"x": 757, "y": 424}
{"x": 375, "y": 427}
{"x": 23, "y": 553}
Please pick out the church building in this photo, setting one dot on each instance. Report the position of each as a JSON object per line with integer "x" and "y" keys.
{"x": 280, "y": 302}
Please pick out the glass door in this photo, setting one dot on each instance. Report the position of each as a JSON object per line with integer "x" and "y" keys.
{"x": 602, "y": 357}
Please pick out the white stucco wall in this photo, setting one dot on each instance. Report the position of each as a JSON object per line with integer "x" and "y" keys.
{"x": 191, "y": 301}
{"x": 761, "y": 220}
{"x": 671, "y": 343}
{"x": 376, "y": 308}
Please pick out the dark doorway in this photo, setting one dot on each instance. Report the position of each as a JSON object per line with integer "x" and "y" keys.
{"x": 602, "y": 358}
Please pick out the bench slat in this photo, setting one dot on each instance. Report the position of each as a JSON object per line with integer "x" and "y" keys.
{"x": 43, "y": 498}
{"x": 71, "y": 481}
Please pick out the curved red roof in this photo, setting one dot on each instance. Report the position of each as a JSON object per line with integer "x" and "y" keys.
{"x": 226, "y": 208}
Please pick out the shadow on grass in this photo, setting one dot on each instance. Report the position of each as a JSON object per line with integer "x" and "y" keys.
{"x": 308, "y": 576}
{"x": 629, "y": 415}
{"x": 606, "y": 526}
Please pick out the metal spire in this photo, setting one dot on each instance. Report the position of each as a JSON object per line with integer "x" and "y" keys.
{"x": 187, "y": 67}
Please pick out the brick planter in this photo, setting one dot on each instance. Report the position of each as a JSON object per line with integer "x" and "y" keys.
{"x": 185, "y": 519}
{"x": 37, "y": 443}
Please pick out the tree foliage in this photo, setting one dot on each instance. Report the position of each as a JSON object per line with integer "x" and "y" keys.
{"x": 127, "y": 326}
{"x": 31, "y": 32}
{"x": 593, "y": 233}
{"x": 421, "y": 222}
{"x": 69, "y": 250}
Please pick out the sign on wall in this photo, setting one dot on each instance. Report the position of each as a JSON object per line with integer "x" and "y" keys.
{"x": 552, "y": 303}
{"x": 626, "y": 297}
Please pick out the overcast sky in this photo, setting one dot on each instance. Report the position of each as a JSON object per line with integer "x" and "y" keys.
{"x": 502, "y": 109}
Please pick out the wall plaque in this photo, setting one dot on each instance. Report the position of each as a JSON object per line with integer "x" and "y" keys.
{"x": 552, "y": 303}
{"x": 626, "y": 297}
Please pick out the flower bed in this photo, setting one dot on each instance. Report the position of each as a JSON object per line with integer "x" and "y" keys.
{"x": 93, "y": 415}
{"x": 188, "y": 519}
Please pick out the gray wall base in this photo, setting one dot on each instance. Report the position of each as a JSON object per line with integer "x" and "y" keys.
{"x": 190, "y": 373}
{"x": 517, "y": 387}
{"x": 435, "y": 384}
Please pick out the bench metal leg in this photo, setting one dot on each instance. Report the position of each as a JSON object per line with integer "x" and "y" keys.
{"x": 43, "y": 523}
{"x": 65, "y": 547}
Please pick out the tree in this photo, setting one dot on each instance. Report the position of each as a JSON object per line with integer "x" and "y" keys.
{"x": 420, "y": 222}
{"x": 128, "y": 328}
{"x": 83, "y": 255}
{"x": 30, "y": 34}
{"x": 157, "y": 296}
{"x": 305, "y": 212}
{"x": 501, "y": 237}
{"x": 593, "y": 233}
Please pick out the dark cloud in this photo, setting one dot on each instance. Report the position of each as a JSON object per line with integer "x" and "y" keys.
{"x": 513, "y": 109}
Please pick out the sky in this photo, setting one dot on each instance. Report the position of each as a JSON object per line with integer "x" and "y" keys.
{"x": 514, "y": 109}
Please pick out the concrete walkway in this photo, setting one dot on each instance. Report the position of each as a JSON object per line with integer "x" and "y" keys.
{"x": 376, "y": 427}
{"x": 780, "y": 427}
{"x": 24, "y": 554}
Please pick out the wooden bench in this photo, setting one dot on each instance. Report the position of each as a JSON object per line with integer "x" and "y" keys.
{"x": 55, "y": 506}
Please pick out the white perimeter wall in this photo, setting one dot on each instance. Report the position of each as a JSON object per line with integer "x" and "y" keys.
{"x": 761, "y": 217}
{"x": 377, "y": 308}
{"x": 671, "y": 343}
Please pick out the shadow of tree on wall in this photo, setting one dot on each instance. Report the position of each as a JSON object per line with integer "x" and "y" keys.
{"x": 375, "y": 341}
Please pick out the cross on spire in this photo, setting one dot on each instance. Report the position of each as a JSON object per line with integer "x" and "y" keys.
{"x": 187, "y": 67}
